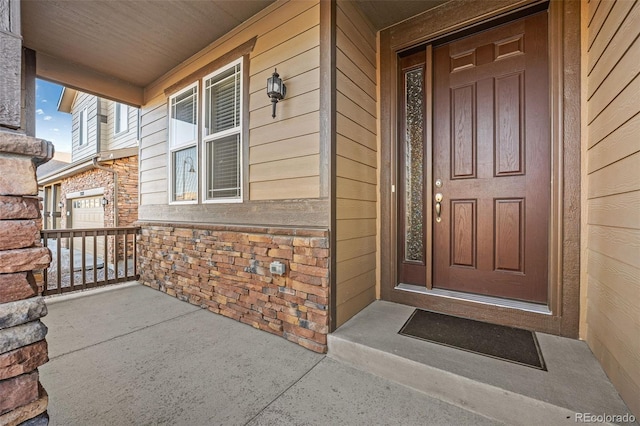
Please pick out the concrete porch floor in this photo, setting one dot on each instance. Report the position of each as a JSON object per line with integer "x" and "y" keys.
{"x": 130, "y": 355}
{"x": 506, "y": 392}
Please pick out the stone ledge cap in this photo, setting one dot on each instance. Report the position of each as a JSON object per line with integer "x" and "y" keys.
{"x": 16, "y": 143}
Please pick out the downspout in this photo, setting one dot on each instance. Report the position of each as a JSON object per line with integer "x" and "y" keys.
{"x": 115, "y": 187}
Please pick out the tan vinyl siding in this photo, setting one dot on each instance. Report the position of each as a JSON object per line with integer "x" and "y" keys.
{"x": 613, "y": 192}
{"x": 283, "y": 152}
{"x": 356, "y": 162}
{"x": 90, "y": 102}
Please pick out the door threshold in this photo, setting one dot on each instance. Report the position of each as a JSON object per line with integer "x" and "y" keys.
{"x": 477, "y": 298}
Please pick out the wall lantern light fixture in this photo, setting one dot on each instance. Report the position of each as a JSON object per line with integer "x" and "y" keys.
{"x": 276, "y": 90}
{"x": 61, "y": 204}
{"x": 104, "y": 201}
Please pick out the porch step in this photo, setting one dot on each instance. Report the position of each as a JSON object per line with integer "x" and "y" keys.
{"x": 506, "y": 392}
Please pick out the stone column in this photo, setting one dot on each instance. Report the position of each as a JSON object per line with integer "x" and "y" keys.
{"x": 23, "y": 347}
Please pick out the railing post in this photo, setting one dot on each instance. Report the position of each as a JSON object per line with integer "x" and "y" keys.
{"x": 59, "y": 262}
{"x": 45, "y": 272}
{"x": 84, "y": 260}
{"x": 126, "y": 254}
{"x": 95, "y": 257}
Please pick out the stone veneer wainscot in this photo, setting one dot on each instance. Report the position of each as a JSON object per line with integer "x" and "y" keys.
{"x": 225, "y": 269}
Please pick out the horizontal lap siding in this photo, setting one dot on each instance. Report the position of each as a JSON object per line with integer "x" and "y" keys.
{"x": 356, "y": 162}
{"x": 283, "y": 152}
{"x": 613, "y": 192}
{"x": 153, "y": 153}
{"x": 124, "y": 139}
{"x": 278, "y": 168}
{"x": 90, "y": 102}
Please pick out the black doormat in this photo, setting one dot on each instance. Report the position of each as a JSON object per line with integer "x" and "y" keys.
{"x": 497, "y": 341}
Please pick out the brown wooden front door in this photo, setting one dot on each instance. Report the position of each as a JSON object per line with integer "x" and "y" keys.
{"x": 489, "y": 190}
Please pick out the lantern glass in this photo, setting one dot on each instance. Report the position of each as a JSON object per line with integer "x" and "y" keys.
{"x": 274, "y": 84}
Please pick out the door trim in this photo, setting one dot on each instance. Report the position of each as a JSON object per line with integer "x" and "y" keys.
{"x": 564, "y": 236}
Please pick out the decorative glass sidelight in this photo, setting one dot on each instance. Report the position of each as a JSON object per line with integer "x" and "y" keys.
{"x": 414, "y": 165}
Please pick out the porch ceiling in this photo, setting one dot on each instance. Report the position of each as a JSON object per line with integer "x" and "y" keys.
{"x": 117, "y": 48}
{"x": 384, "y": 13}
{"x": 130, "y": 43}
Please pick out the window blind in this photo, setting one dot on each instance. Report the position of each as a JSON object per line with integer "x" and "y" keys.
{"x": 222, "y": 101}
{"x": 223, "y": 163}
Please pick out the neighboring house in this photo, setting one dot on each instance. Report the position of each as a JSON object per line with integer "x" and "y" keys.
{"x": 477, "y": 158}
{"x": 51, "y": 211}
{"x": 99, "y": 187}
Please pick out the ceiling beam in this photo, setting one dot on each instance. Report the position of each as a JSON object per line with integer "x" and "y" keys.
{"x": 87, "y": 80}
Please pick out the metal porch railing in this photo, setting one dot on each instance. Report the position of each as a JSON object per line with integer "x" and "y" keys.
{"x": 87, "y": 258}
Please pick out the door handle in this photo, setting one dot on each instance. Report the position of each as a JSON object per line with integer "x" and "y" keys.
{"x": 438, "y": 206}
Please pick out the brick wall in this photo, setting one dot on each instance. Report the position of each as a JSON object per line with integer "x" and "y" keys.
{"x": 127, "y": 169}
{"x": 91, "y": 179}
{"x": 127, "y": 200}
{"x": 225, "y": 269}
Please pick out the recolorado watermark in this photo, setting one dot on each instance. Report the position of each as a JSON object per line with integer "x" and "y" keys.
{"x": 604, "y": 418}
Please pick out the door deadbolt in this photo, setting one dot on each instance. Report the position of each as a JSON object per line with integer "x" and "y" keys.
{"x": 438, "y": 183}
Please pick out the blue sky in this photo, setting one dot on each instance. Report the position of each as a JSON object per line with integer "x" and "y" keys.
{"x": 51, "y": 124}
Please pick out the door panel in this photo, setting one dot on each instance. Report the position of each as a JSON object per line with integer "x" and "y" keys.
{"x": 463, "y": 233}
{"x": 492, "y": 154}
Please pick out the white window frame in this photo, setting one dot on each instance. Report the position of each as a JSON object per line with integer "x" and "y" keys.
{"x": 236, "y": 130}
{"x": 119, "y": 111}
{"x": 83, "y": 127}
{"x": 187, "y": 144}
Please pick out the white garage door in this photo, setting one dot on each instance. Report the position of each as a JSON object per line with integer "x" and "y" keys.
{"x": 88, "y": 213}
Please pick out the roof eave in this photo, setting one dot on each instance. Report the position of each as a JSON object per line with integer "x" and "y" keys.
{"x": 67, "y": 97}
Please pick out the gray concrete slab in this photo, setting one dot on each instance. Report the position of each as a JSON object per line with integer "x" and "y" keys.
{"x": 175, "y": 365}
{"x": 574, "y": 382}
{"x": 337, "y": 394}
{"x": 102, "y": 316}
{"x": 135, "y": 356}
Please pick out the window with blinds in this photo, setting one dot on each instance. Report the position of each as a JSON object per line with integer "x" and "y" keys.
{"x": 183, "y": 138}
{"x": 215, "y": 146}
{"x": 222, "y": 133}
{"x": 121, "y": 118}
{"x": 84, "y": 127}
